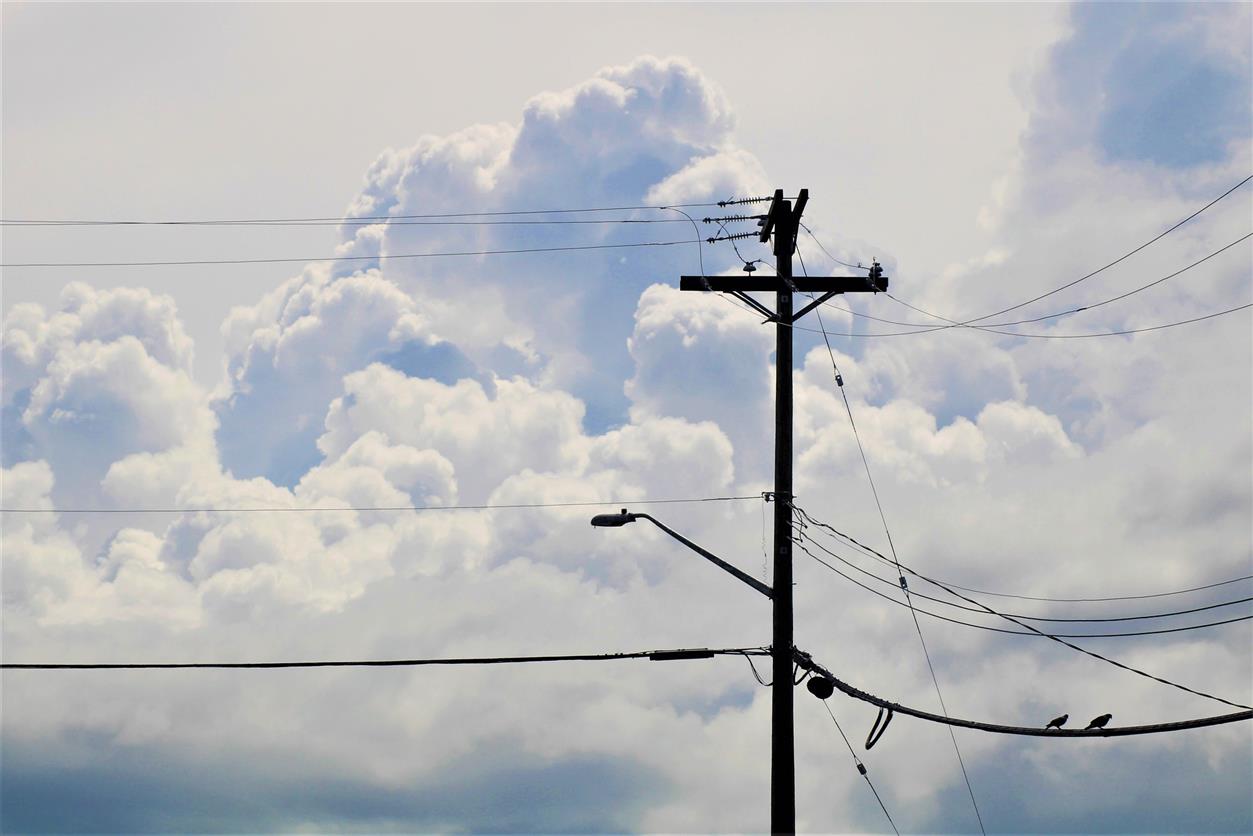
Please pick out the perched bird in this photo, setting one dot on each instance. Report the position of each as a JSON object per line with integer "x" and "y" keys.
{"x": 1099, "y": 722}
{"x": 1058, "y": 722}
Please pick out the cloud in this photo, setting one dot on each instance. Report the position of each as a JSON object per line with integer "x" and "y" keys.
{"x": 1045, "y": 468}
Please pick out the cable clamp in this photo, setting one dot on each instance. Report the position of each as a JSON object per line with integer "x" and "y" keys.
{"x": 861, "y": 767}
{"x": 876, "y": 731}
{"x": 904, "y": 585}
{"x": 839, "y": 379}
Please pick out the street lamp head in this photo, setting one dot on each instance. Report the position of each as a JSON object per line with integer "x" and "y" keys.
{"x": 613, "y": 520}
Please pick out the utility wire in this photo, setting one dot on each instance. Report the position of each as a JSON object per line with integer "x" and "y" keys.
{"x": 866, "y": 550}
{"x": 1039, "y": 336}
{"x": 861, "y": 767}
{"x": 839, "y": 382}
{"x": 930, "y": 327}
{"x": 384, "y": 257}
{"x": 341, "y": 219}
{"x": 1143, "y": 617}
{"x": 656, "y": 655}
{"x": 808, "y": 518}
{"x": 1118, "y": 260}
{"x": 1111, "y": 598}
{"x": 1115, "y": 731}
{"x": 374, "y": 222}
{"x": 309, "y": 510}
{"x": 1074, "y": 282}
{"x": 801, "y": 544}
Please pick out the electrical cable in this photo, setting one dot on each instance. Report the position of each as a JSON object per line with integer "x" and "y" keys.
{"x": 757, "y": 676}
{"x": 384, "y": 257}
{"x": 658, "y": 655}
{"x": 839, "y": 381}
{"x": 1121, "y": 258}
{"x": 362, "y": 218}
{"x": 306, "y": 510}
{"x": 1039, "y": 336}
{"x": 861, "y": 767}
{"x": 1054, "y": 637}
{"x": 1108, "y": 731}
{"x": 866, "y": 550}
{"x": 928, "y": 327}
{"x": 1074, "y": 282}
{"x": 368, "y": 222}
{"x": 801, "y": 545}
{"x": 1104, "y": 619}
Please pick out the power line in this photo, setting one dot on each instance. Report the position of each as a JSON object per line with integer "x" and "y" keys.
{"x": 1118, "y": 260}
{"x": 310, "y": 510}
{"x": 1112, "y": 598}
{"x": 384, "y": 257}
{"x": 1124, "y": 731}
{"x": 1039, "y": 336}
{"x": 655, "y": 655}
{"x": 1074, "y": 282}
{"x": 355, "y": 222}
{"x": 340, "y": 219}
{"x": 1052, "y": 636}
{"x": 874, "y": 554}
{"x": 1033, "y": 634}
{"x": 839, "y": 383}
{"x": 1038, "y": 617}
{"x": 861, "y": 767}
{"x": 928, "y": 327}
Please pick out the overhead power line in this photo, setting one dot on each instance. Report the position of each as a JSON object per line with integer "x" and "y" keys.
{"x": 1052, "y": 636}
{"x": 1034, "y": 634}
{"x": 1118, "y": 260}
{"x": 861, "y": 767}
{"x": 359, "y": 222}
{"x": 1040, "y": 336}
{"x": 1034, "y": 731}
{"x": 384, "y": 257}
{"x": 341, "y": 219}
{"x": 655, "y": 655}
{"x": 310, "y": 510}
{"x": 1142, "y": 617}
{"x": 869, "y": 552}
{"x": 839, "y": 384}
{"x": 926, "y": 327}
{"x": 969, "y": 323}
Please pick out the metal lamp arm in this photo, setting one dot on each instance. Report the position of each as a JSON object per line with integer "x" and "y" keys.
{"x": 712, "y": 558}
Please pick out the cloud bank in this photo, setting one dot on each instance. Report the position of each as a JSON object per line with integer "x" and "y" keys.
{"x": 1050, "y": 467}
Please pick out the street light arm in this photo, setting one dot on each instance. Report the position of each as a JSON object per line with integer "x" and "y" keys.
{"x": 712, "y": 558}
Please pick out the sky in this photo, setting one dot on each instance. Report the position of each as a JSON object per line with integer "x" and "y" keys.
{"x": 984, "y": 154}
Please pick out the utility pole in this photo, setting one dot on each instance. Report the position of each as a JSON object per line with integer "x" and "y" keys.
{"x": 783, "y": 222}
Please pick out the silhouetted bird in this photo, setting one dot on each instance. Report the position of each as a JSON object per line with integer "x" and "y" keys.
{"x": 1058, "y": 722}
{"x": 1099, "y": 722}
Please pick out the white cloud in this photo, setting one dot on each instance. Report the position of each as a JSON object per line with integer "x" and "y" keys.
{"x": 1042, "y": 467}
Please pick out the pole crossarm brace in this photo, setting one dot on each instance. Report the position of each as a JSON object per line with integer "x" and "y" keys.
{"x": 806, "y": 661}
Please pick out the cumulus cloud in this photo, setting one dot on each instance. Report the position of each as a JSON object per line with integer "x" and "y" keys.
{"x": 1009, "y": 465}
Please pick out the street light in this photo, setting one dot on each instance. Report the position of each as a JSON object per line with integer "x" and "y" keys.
{"x": 618, "y": 520}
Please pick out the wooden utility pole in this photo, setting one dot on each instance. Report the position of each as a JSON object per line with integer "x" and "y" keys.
{"x": 782, "y": 222}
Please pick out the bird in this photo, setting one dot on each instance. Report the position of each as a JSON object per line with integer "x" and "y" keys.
{"x": 1099, "y": 722}
{"x": 1058, "y": 722}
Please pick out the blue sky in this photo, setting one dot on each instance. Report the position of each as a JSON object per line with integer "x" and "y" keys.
{"x": 984, "y": 153}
